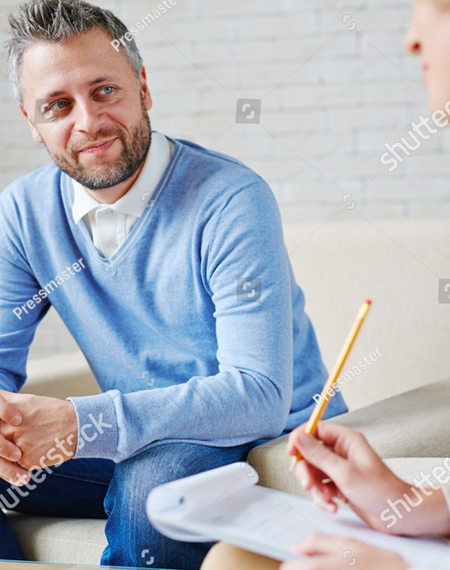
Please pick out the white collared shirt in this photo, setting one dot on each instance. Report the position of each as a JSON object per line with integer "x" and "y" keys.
{"x": 110, "y": 224}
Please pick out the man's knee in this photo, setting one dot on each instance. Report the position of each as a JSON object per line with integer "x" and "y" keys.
{"x": 165, "y": 463}
{"x": 157, "y": 465}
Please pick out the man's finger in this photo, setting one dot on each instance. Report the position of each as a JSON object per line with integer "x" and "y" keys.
{"x": 8, "y": 450}
{"x": 9, "y": 413}
{"x": 13, "y": 473}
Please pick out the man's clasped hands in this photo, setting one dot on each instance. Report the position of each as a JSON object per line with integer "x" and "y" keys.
{"x": 32, "y": 428}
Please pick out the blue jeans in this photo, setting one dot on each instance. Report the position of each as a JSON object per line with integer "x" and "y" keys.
{"x": 99, "y": 488}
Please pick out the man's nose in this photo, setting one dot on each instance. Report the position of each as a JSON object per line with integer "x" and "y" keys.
{"x": 87, "y": 117}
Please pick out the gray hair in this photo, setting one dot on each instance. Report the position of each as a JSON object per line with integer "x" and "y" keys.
{"x": 57, "y": 21}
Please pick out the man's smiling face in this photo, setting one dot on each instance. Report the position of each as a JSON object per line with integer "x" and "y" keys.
{"x": 97, "y": 128}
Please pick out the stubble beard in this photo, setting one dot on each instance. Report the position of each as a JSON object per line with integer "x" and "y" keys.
{"x": 106, "y": 176}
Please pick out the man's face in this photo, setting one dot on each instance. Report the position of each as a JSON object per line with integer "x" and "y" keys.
{"x": 87, "y": 108}
{"x": 429, "y": 38}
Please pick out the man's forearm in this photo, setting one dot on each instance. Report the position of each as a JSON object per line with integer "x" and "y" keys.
{"x": 224, "y": 410}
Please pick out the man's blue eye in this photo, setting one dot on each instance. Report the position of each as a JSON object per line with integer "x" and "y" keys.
{"x": 109, "y": 89}
{"x": 50, "y": 111}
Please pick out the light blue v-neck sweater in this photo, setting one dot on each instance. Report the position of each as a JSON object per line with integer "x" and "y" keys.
{"x": 179, "y": 352}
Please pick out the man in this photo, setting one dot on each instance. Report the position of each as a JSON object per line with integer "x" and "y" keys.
{"x": 166, "y": 261}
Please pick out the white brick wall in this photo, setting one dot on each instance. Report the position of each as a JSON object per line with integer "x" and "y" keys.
{"x": 334, "y": 82}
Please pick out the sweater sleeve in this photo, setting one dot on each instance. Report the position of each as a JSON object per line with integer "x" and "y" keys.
{"x": 18, "y": 321}
{"x": 246, "y": 273}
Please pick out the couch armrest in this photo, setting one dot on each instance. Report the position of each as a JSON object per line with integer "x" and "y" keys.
{"x": 413, "y": 424}
{"x": 60, "y": 376}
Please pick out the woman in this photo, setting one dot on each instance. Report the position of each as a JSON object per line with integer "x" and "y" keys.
{"x": 357, "y": 474}
{"x": 360, "y": 479}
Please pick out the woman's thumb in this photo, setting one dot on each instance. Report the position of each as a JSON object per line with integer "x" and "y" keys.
{"x": 320, "y": 456}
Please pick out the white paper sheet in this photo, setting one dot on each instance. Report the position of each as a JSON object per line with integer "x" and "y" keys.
{"x": 195, "y": 494}
{"x": 268, "y": 521}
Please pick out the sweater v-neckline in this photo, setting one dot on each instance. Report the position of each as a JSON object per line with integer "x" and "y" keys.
{"x": 67, "y": 192}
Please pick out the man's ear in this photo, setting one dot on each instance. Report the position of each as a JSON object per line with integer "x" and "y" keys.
{"x": 145, "y": 90}
{"x": 37, "y": 137}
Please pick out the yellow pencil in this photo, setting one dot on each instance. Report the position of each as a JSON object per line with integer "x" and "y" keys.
{"x": 320, "y": 408}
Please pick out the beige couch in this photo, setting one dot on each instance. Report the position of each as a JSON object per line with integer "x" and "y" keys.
{"x": 400, "y": 402}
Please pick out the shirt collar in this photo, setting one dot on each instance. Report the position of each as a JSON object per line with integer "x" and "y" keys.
{"x": 135, "y": 200}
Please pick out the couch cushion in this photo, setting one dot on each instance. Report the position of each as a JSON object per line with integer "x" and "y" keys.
{"x": 414, "y": 424}
{"x": 59, "y": 540}
{"x": 410, "y": 468}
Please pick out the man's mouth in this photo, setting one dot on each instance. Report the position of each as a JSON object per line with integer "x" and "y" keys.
{"x": 98, "y": 147}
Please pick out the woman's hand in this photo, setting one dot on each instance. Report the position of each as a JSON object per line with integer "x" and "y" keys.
{"x": 340, "y": 464}
{"x": 330, "y": 553}
{"x": 354, "y": 472}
